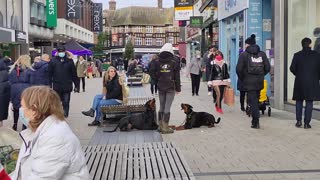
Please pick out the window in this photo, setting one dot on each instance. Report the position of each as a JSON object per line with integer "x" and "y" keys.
{"x": 170, "y": 40}
{"x": 120, "y": 41}
{"x": 42, "y": 13}
{"x": 303, "y": 21}
{"x": 33, "y": 12}
{"x": 159, "y": 42}
{"x": 158, "y": 30}
{"x": 138, "y": 41}
{"x": 148, "y": 41}
{"x": 149, "y": 29}
{"x": 126, "y": 28}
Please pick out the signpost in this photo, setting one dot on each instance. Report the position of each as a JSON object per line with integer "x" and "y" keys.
{"x": 73, "y": 10}
{"x": 183, "y": 9}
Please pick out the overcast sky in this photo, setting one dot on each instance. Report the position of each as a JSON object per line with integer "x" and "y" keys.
{"x": 126, "y": 3}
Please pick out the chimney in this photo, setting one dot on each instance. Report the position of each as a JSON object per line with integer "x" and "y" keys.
{"x": 160, "y": 4}
{"x": 112, "y": 5}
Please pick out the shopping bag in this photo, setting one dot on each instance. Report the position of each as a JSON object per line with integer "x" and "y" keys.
{"x": 145, "y": 78}
{"x": 228, "y": 96}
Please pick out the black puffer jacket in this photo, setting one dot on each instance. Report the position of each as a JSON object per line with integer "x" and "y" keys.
{"x": 4, "y": 91}
{"x": 166, "y": 72}
{"x": 114, "y": 89}
{"x": 62, "y": 72}
{"x": 252, "y": 82}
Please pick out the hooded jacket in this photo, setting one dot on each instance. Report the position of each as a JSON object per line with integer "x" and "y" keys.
{"x": 4, "y": 91}
{"x": 166, "y": 72}
{"x": 40, "y": 75}
{"x": 20, "y": 79}
{"x": 252, "y": 82}
{"x": 62, "y": 72}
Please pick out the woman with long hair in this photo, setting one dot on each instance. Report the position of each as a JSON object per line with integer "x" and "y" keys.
{"x": 111, "y": 95}
{"x": 20, "y": 78}
{"x": 219, "y": 79}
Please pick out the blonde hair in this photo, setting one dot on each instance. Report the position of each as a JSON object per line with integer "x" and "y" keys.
{"x": 106, "y": 76}
{"x": 24, "y": 61}
{"x": 45, "y": 102}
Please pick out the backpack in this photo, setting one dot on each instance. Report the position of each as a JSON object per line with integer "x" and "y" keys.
{"x": 166, "y": 76}
{"x": 255, "y": 65}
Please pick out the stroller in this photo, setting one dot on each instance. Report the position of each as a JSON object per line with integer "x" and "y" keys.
{"x": 264, "y": 102}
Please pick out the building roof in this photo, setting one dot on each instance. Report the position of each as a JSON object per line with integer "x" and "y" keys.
{"x": 135, "y": 15}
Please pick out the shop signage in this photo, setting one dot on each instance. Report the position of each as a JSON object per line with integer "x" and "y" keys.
{"x": 227, "y": 8}
{"x": 196, "y": 21}
{"x": 97, "y": 17}
{"x": 182, "y": 23}
{"x": 6, "y": 35}
{"x": 183, "y": 3}
{"x": 183, "y": 9}
{"x": 21, "y": 36}
{"x": 73, "y": 10}
{"x": 255, "y": 24}
{"x": 51, "y": 12}
{"x": 192, "y": 31}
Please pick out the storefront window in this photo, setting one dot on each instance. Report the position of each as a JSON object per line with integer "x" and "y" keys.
{"x": 34, "y": 10}
{"x": 303, "y": 19}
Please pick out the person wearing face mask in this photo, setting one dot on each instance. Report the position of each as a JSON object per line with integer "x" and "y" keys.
{"x": 62, "y": 73}
{"x": 20, "y": 78}
{"x": 112, "y": 95}
{"x": 195, "y": 71}
{"x": 220, "y": 78}
{"x": 50, "y": 150}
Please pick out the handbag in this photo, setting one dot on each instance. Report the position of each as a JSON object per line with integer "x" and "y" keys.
{"x": 228, "y": 96}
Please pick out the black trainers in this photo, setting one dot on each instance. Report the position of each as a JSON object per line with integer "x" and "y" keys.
{"x": 307, "y": 126}
{"x": 94, "y": 123}
{"x": 298, "y": 124}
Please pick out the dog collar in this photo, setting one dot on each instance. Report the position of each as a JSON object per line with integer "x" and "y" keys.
{"x": 190, "y": 114}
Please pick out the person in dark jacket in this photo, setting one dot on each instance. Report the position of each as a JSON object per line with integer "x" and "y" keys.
{"x": 111, "y": 95}
{"x": 40, "y": 75}
{"x": 195, "y": 69}
{"x": 132, "y": 68}
{"x": 166, "y": 72}
{"x": 306, "y": 68}
{"x": 208, "y": 58}
{"x": 20, "y": 78}
{"x": 62, "y": 72}
{"x": 220, "y": 78}
{"x": 153, "y": 82}
{"x": 4, "y": 92}
{"x": 252, "y": 66}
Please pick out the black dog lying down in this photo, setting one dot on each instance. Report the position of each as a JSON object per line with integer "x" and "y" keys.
{"x": 142, "y": 121}
{"x": 197, "y": 119}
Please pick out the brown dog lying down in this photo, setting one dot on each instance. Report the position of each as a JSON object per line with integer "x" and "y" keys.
{"x": 141, "y": 121}
{"x": 197, "y": 119}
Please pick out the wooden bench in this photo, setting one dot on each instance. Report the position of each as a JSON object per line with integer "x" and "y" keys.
{"x": 134, "y": 81}
{"x": 161, "y": 160}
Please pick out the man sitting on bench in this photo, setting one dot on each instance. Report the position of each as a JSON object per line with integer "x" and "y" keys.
{"x": 111, "y": 95}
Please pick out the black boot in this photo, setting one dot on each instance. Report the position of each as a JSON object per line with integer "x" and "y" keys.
{"x": 88, "y": 113}
{"x": 14, "y": 127}
{"x": 298, "y": 124}
{"x": 255, "y": 124}
{"x": 307, "y": 126}
{"x": 94, "y": 123}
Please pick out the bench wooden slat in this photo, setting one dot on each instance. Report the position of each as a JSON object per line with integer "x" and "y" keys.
{"x": 101, "y": 166}
{"x": 172, "y": 163}
{"x": 148, "y": 163}
{"x": 178, "y": 163}
{"x": 130, "y": 163}
{"x": 107, "y": 165}
{"x": 166, "y": 163}
{"x": 162, "y": 170}
{"x": 142, "y": 163}
{"x": 95, "y": 165}
{"x": 136, "y": 168}
{"x": 185, "y": 165}
{"x": 124, "y": 162}
{"x": 91, "y": 160}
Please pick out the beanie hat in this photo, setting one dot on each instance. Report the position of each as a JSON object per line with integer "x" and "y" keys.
{"x": 61, "y": 49}
{"x": 167, "y": 47}
{"x": 251, "y": 40}
{"x": 218, "y": 58}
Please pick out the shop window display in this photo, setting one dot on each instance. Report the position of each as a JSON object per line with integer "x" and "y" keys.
{"x": 303, "y": 21}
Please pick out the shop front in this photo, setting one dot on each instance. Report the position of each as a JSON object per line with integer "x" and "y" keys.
{"x": 237, "y": 21}
{"x": 300, "y": 19}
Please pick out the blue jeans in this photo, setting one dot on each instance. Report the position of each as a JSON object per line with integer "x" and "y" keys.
{"x": 307, "y": 111}
{"x": 98, "y": 101}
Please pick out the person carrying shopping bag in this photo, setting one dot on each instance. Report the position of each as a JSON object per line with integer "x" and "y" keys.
{"x": 220, "y": 78}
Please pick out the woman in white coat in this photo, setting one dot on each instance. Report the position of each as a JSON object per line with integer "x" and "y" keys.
{"x": 50, "y": 149}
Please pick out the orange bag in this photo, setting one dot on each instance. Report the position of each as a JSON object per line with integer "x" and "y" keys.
{"x": 228, "y": 96}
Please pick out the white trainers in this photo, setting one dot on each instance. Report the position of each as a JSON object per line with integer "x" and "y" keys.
{"x": 209, "y": 93}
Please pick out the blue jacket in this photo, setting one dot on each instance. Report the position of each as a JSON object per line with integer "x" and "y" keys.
{"x": 4, "y": 91}
{"x": 19, "y": 80}
{"x": 40, "y": 76}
